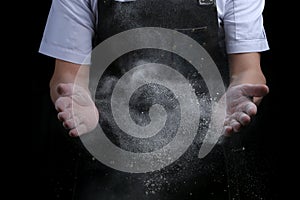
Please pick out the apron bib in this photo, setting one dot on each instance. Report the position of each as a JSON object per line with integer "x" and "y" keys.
{"x": 188, "y": 176}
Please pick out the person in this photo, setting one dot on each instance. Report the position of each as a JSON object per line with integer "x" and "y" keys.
{"x": 73, "y": 25}
{"x": 245, "y": 39}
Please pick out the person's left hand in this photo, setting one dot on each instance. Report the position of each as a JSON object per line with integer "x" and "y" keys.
{"x": 241, "y": 104}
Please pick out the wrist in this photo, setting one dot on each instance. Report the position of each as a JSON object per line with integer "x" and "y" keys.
{"x": 247, "y": 77}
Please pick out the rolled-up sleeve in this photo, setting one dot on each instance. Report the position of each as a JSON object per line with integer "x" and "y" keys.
{"x": 243, "y": 26}
{"x": 69, "y": 31}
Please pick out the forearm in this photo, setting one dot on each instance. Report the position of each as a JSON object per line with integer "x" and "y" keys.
{"x": 67, "y": 72}
{"x": 245, "y": 68}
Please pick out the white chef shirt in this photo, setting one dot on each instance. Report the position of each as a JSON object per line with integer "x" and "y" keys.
{"x": 71, "y": 25}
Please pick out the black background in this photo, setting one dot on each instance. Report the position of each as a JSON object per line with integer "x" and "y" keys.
{"x": 54, "y": 153}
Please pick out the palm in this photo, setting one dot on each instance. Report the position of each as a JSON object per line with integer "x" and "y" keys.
{"x": 76, "y": 109}
{"x": 240, "y": 106}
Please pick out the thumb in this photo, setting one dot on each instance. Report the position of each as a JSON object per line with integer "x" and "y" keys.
{"x": 255, "y": 90}
{"x": 65, "y": 89}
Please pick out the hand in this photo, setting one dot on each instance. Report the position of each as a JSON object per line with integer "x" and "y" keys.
{"x": 76, "y": 109}
{"x": 241, "y": 104}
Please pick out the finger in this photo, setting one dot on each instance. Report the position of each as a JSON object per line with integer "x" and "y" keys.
{"x": 65, "y": 115}
{"x": 233, "y": 123}
{"x": 255, "y": 90}
{"x": 242, "y": 118}
{"x": 250, "y": 109}
{"x": 62, "y": 103}
{"x": 227, "y": 128}
{"x": 227, "y": 131}
{"x": 73, "y": 132}
{"x": 236, "y": 126}
{"x": 257, "y": 100}
{"x": 71, "y": 123}
{"x": 65, "y": 89}
{"x": 78, "y": 131}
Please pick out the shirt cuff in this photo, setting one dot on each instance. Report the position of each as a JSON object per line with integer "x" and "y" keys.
{"x": 244, "y": 46}
{"x": 64, "y": 54}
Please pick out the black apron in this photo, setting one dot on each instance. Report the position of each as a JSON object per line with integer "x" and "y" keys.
{"x": 188, "y": 177}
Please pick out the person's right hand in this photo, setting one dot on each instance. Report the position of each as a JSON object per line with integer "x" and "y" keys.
{"x": 76, "y": 109}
